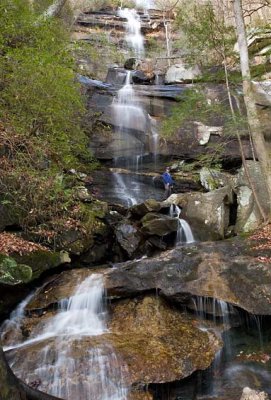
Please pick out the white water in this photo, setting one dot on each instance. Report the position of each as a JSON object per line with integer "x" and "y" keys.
{"x": 184, "y": 230}
{"x": 11, "y": 327}
{"x": 65, "y": 369}
{"x": 184, "y": 233}
{"x": 124, "y": 192}
{"x": 127, "y": 113}
{"x": 134, "y": 37}
{"x": 128, "y": 117}
{"x": 155, "y": 137}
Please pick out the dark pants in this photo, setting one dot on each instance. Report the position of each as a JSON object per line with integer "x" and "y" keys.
{"x": 168, "y": 190}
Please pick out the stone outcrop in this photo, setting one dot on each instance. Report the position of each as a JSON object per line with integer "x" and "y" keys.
{"x": 158, "y": 224}
{"x": 18, "y": 270}
{"x": 241, "y": 196}
{"x": 176, "y": 349}
{"x": 223, "y": 270}
{"x": 247, "y": 212}
{"x": 180, "y": 73}
{"x": 157, "y": 101}
{"x": 226, "y": 270}
{"x": 207, "y": 213}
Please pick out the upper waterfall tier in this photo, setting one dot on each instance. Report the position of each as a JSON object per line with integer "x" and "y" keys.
{"x": 133, "y": 37}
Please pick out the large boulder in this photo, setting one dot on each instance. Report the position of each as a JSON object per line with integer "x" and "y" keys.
{"x": 149, "y": 341}
{"x": 159, "y": 224}
{"x": 207, "y": 213}
{"x": 248, "y": 216}
{"x": 141, "y": 209}
{"x": 225, "y": 270}
{"x": 211, "y": 178}
{"x": 181, "y": 73}
{"x": 128, "y": 237}
{"x": 262, "y": 92}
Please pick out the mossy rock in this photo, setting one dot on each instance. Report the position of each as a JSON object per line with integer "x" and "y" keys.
{"x": 96, "y": 209}
{"x": 42, "y": 260}
{"x": 91, "y": 217}
{"x": 13, "y": 273}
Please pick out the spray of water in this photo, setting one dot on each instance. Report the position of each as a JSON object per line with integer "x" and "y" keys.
{"x": 134, "y": 37}
{"x": 184, "y": 233}
{"x": 62, "y": 369}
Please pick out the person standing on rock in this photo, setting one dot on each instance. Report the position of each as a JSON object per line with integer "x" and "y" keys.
{"x": 168, "y": 182}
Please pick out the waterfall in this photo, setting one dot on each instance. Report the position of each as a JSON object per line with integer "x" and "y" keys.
{"x": 66, "y": 370}
{"x": 134, "y": 37}
{"x": 128, "y": 117}
{"x": 184, "y": 233}
{"x": 124, "y": 192}
{"x": 127, "y": 113}
{"x": 154, "y": 138}
{"x": 10, "y": 327}
{"x": 221, "y": 312}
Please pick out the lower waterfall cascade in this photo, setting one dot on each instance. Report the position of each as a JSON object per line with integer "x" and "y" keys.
{"x": 81, "y": 316}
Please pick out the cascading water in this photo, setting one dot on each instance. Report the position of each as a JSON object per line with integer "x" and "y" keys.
{"x": 134, "y": 38}
{"x": 122, "y": 187}
{"x": 127, "y": 113}
{"x": 128, "y": 117}
{"x": 80, "y": 319}
{"x": 10, "y": 327}
{"x": 184, "y": 233}
{"x": 154, "y": 138}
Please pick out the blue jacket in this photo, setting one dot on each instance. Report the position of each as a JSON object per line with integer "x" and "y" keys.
{"x": 167, "y": 178}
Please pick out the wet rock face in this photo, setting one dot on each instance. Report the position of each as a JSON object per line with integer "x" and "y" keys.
{"x": 208, "y": 213}
{"x": 225, "y": 270}
{"x": 158, "y": 101}
{"x": 158, "y": 343}
{"x": 153, "y": 344}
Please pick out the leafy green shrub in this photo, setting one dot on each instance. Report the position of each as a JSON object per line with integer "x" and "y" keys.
{"x": 41, "y": 108}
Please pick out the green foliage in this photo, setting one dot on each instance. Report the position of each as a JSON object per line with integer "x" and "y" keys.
{"x": 194, "y": 107}
{"x": 38, "y": 91}
{"x": 41, "y": 109}
{"x": 101, "y": 51}
{"x": 101, "y": 4}
{"x": 193, "y": 101}
{"x": 205, "y": 32}
{"x": 13, "y": 273}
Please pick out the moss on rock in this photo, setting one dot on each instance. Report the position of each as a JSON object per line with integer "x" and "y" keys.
{"x": 13, "y": 273}
{"x": 41, "y": 260}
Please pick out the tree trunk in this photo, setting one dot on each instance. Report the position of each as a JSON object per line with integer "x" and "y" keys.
{"x": 55, "y": 9}
{"x": 252, "y": 117}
